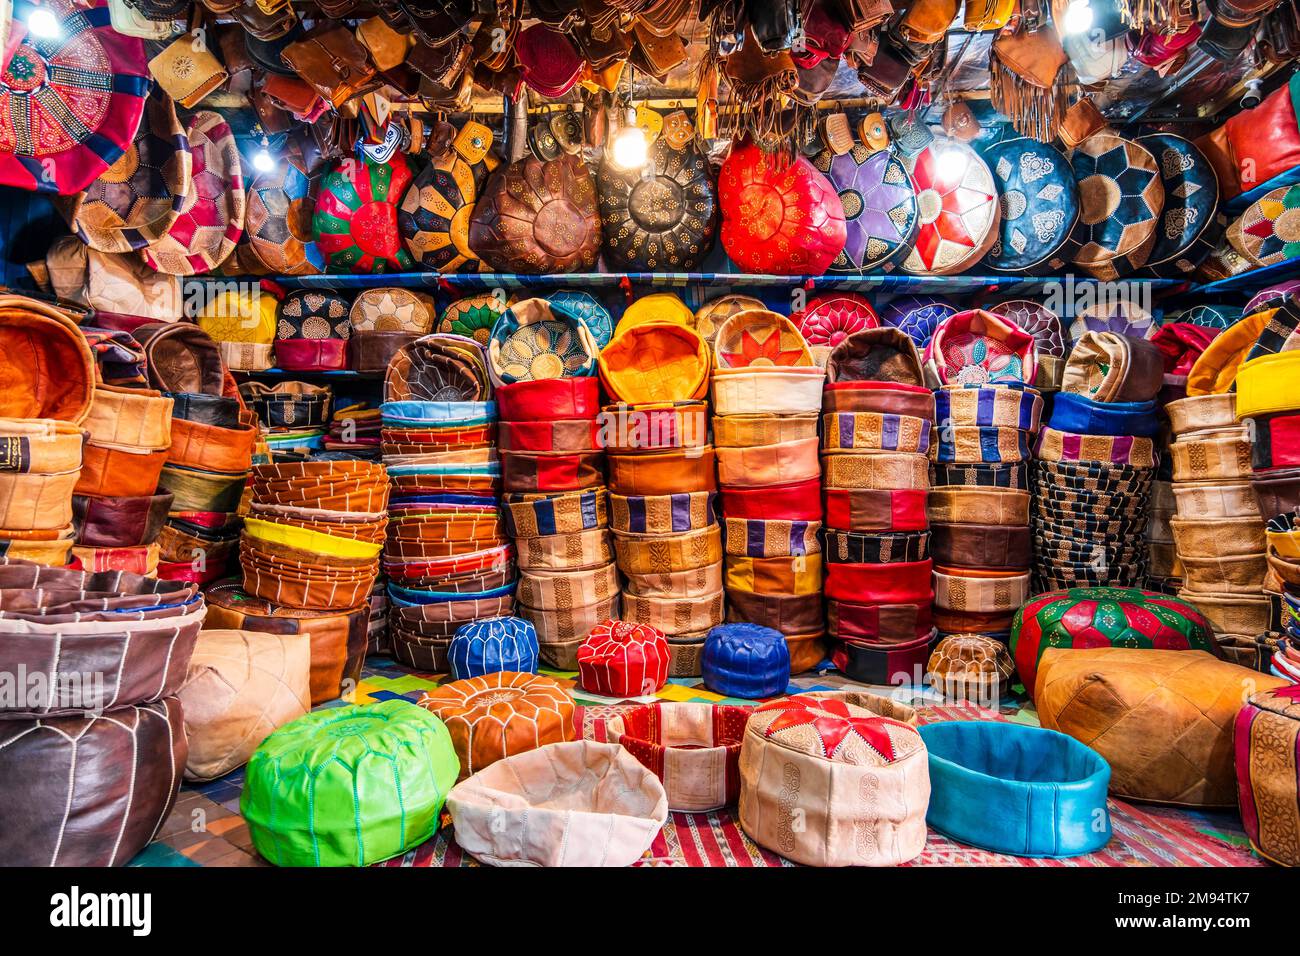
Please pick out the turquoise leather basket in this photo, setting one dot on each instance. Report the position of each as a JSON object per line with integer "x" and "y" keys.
{"x": 1015, "y": 789}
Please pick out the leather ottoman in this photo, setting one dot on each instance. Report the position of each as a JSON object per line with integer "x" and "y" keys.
{"x": 241, "y": 686}
{"x": 501, "y": 714}
{"x": 1266, "y": 739}
{"x": 1161, "y": 719}
{"x": 348, "y": 786}
{"x": 971, "y": 667}
{"x": 622, "y": 659}
{"x": 493, "y": 644}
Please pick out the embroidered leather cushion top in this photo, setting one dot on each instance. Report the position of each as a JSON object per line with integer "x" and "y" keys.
{"x": 831, "y": 318}
{"x": 580, "y": 803}
{"x": 473, "y": 316}
{"x": 1268, "y": 232}
{"x": 1162, "y": 719}
{"x": 1123, "y": 316}
{"x": 45, "y": 362}
{"x": 536, "y": 217}
{"x": 1104, "y": 617}
{"x": 710, "y": 316}
{"x": 355, "y": 220}
{"x": 1039, "y": 206}
{"x": 278, "y": 224}
{"x": 781, "y": 218}
{"x": 136, "y": 200}
{"x": 435, "y": 213}
{"x": 241, "y": 685}
{"x": 1014, "y": 789}
{"x": 89, "y": 791}
{"x": 1121, "y": 196}
{"x": 500, "y": 714}
{"x": 348, "y": 786}
{"x": 1190, "y": 226}
{"x": 958, "y": 206}
{"x": 879, "y": 201}
{"x": 692, "y": 747}
{"x": 971, "y": 667}
{"x": 664, "y": 222}
{"x": 622, "y": 659}
{"x": 823, "y": 755}
{"x": 916, "y": 315}
{"x": 70, "y": 102}
{"x": 532, "y": 341}
{"x": 1266, "y": 740}
{"x": 977, "y": 347}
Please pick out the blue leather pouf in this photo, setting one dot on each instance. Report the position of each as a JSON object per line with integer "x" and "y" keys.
{"x": 493, "y": 644}
{"x": 746, "y": 660}
{"x": 1016, "y": 789}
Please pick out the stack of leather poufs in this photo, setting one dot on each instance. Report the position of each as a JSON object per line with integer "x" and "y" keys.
{"x": 49, "y": 376}
{"x": 986, "y": 418}
{"x": 91, "y": 757}
{"x": 448, "y": 558}
{"x": 349, "y": 786}
{"x": 877, "y": 433}
{"x": 1095, "y": 462}
{"x": 663, "y": 482}
{"x": 312, "y": 332}
{"x": 1218, "y": 519}
{"x": 293, "y": 415}
{"x": 766, "y": 396}
{"x": 544, "y": 364}
{"x": 213, "y": 436}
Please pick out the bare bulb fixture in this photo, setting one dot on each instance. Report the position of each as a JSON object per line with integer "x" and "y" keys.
{"x": 44, "y": 24}
{"x": 1078, "y": 17}
{"x": 263, "y": 161}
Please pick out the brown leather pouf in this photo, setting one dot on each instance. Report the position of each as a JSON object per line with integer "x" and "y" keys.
{"x": 241, "y": 686}
{"x": 1162, "y": 719}
{"x": 88, "y": 791}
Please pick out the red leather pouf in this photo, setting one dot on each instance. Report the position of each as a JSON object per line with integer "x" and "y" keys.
{"x": 621, "y": 659}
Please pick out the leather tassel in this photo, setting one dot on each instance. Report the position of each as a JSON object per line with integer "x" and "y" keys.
{"x": 1034, "y": 110}
{"x": 1160, "y": 16}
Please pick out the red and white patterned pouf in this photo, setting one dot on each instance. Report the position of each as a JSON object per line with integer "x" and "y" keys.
{"x": 622, "y": 659}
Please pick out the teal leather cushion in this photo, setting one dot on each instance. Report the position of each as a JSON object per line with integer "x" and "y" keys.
{"x": 1016, "y": 789}
{"x": 349, "y": 786}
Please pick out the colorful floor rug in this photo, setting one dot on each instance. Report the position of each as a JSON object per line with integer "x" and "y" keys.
{"x": 205, "y": 828}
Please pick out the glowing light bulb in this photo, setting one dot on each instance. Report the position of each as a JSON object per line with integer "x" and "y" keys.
{"x": 1078, "y": 17}
{"x": 630, "y": 148}
{"x": 44, "y": 24}
{"x": 263, "y": 161}
{"x": 952, "y": 163}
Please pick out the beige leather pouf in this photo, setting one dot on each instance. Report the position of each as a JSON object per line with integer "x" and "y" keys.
{"x": 828, "y": 783}
{"x": 241, "y": 685}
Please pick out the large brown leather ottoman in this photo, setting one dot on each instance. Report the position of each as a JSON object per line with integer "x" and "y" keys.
{"x": 241, "y": 686}
{"x": 88, "y": 791}
{"x": 338, "y": 638}
{"x": 1162, "y": 719}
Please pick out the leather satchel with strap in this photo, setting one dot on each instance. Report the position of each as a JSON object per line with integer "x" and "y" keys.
{"x": 334, "y": 63}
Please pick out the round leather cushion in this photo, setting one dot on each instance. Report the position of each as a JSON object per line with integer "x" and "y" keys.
{"x": 501, "y": 714}
{"x": 355, "y": 221}
{"x": 89, "y": 791}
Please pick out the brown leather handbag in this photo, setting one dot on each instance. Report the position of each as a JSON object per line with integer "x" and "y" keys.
{"x": 334, "y": 63}
{"x": 536, "y": 217}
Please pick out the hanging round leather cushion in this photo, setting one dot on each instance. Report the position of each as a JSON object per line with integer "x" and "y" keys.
{"x": 1120, "y": 198}
{"x": 958, "y": 207}
{"x": 1189, "y": 226}
{"x": 662, "y": 223}
{"x": 779, "y": 217}
{"x": 1268, "y": 232}
{"x": 879, "y": 201}
{"x": 70, "y": 104}
{"x": 536, "y": 217}
{"x": 435, "y": 213}
{"x": 1038, "y": 205}
{"x": 278, "y": 223}
{"x": 355, "y": 222}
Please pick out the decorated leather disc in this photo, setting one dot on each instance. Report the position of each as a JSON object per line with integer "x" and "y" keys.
{"x": 588, "y": 308}
{"x": 472, "y": 316}
{"x": 956, "y": 201}
{"x": 435, "y": 213}
{"x": 830, "y": 319}
{"x": 212, "y": 217}
{"x": 1268, "y": 231}
{"x": 135, "y": 201}
{"x": 1122, "y": 315}
{"x": 278, "y": 225}
{"x": 1036, "y": 319}
{"x": 1120, "y": 197}
{"x": 70, "y": 105}
{"x": 916, "y": 315}
{"x": 1038, "y": 203}
{"x": 710, "y": 316}
{"x": 879, "y": 202}
{"x": 355, "y": 222}
{"x": 1189, "y": 226}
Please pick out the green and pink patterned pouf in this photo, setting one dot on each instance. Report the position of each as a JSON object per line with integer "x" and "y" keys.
{"x": 349, "y": 786}
{"x": 1104, "y": 617}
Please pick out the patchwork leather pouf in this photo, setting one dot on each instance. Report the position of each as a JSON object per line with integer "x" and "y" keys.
{"x": 827, "y": 783}
{"x": 241, "y": 686}
{"x": 1163, "y": 720}
{"x": 1266, "y": 741}
{"x": 692, "y": 747}
{"x": 971, "y": 667}
{"x": 493, "y": 644}
{"x": 622, "y": 659}
{"x": 349, "y": 786}
{"x": 500, "y": 714}
{"x": 746, "y": 660}
{"x": 89, "y": 791}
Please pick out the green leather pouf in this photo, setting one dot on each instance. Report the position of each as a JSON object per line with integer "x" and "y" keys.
{"x": 349, "y": 786}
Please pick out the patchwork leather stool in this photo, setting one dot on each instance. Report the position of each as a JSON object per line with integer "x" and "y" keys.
{"x": 349, "y": 786}
{"x": 500, "y": 714}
